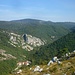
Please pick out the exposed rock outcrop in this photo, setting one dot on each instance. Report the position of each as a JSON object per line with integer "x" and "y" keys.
{"x": 25, "y": 41}
{"x": 5, "y": 56}
{"x": 34, "y": 41}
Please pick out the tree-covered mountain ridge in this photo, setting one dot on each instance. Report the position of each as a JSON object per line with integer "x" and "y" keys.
{"x": 47, "y": 30}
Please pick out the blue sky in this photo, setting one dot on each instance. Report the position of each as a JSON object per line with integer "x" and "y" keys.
{"x": 52, "y": 10}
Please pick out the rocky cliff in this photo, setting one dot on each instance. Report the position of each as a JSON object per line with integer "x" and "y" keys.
{"x": 25, "y": 41}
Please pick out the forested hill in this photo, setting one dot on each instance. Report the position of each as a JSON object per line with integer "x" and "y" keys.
{"x": 47, "y": 30}
{"x": 58, "y": 48}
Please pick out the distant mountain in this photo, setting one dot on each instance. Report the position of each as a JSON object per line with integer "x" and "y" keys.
{"x": 38, "y": 28}
{"x": 27, "y": 20}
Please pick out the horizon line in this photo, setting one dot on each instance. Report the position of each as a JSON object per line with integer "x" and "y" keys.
{"x": 34, "y": 19}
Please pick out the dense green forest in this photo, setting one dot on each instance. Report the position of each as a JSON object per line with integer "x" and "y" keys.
{"x": 57, "y": 48}
{"x": 7, "y": 67}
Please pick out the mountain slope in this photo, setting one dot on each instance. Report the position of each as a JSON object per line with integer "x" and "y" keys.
{"x": 66, "y": 67}
{"x": 9, "y": 55}
{"x": 14, "y": 49}
{"x": 57, "y": 48}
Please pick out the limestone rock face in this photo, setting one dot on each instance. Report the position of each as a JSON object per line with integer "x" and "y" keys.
{"x": 25, "y": 41}
{"x": 33, "y": 40}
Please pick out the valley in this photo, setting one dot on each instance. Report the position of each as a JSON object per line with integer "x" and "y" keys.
{"x": 27, "y": 46}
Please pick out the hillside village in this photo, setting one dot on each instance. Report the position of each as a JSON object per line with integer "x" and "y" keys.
{"x": 54, "y": 67}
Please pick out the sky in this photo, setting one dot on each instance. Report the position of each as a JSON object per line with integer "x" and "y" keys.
{"x": 49, "y": 10}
